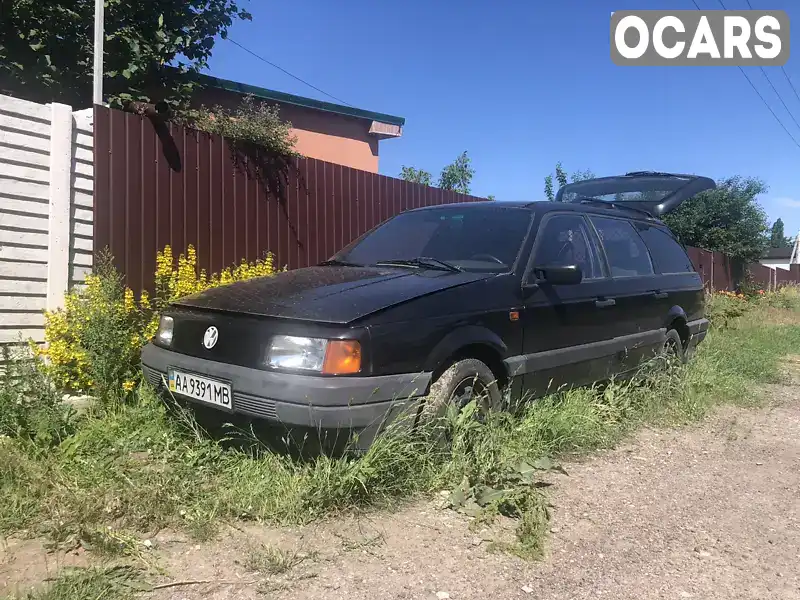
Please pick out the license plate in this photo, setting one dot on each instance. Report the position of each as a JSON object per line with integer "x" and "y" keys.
{"x": 200, "y": 388}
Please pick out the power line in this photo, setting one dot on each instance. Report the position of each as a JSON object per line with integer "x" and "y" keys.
{"x": 783, "y": 69}
{"x": 755, "y": 89}
{"x": 272, "y": 64}
{"x": 785, "y": 74}
{"x": 763, "y": 70}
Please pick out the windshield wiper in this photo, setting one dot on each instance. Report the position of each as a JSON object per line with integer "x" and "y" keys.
{"x": 335, "y": 262}
{"x": 426, "y": 262}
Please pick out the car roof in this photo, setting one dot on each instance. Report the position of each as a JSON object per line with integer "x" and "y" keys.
{"x": 546, "y": 206}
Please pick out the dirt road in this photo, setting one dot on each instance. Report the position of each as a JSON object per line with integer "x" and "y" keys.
{"x": 711, "y": 511}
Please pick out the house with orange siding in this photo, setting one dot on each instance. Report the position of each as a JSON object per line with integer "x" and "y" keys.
{"x": 324, "y": 130}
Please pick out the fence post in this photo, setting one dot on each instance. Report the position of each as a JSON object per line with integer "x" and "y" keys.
{"x": 712, "y": 272}
{"x": 59, "y": 218}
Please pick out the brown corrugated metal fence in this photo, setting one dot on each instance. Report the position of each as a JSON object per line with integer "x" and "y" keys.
{"x": 164, "y": 184}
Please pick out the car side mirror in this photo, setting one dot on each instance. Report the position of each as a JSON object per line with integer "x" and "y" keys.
{"x": 559, "y": 275}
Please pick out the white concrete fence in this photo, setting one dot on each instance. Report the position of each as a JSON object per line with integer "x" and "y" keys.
{"x": 46, "y": 211}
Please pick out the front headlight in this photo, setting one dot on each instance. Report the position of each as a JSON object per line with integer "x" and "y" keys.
{"x": 331, "y": 357}
{"x": 292, "y": 352}
{"x": 166, "y": 327}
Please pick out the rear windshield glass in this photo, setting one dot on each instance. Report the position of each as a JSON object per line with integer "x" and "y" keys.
{"x": 624, "y": 189}
{"x": 480, "y": 238}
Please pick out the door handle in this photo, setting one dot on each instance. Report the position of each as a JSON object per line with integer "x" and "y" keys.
{"x": 605, "y": 303}
{"x": 660, "y": 295}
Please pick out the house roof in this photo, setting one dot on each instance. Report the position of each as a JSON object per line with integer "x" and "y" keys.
{"x": 265, "y": 94}
{"x": 778, "y": 253}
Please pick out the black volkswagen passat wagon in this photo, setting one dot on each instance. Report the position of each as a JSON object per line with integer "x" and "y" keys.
{"x": 445, "y": 303}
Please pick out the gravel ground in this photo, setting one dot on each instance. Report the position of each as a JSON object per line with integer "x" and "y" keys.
{"x": 711, "y": 511}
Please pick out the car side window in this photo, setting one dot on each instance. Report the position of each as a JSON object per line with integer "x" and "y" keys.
{"x": 626, "y": 253}
{"x": 566, "y": 240}
{"x": 668, "y": 255}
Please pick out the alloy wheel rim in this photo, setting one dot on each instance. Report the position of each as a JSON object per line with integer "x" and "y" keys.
{"x": 467, "y": 390}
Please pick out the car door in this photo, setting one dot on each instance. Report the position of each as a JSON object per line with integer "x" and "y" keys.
{"x": 678, "y": 290}
{"x": 638, "y": 328}
{"x": 564, "y": 326}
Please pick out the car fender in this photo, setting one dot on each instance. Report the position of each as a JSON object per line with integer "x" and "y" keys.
{"x": 676, "y": 312}
{"x": 468, "y": 335}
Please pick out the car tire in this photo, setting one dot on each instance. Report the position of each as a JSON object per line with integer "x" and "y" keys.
{"x": 460, "y": 383}
{"x": 673, "y": 347}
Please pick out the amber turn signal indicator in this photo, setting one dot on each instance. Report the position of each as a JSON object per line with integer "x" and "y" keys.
{"x": 342, "y": 357}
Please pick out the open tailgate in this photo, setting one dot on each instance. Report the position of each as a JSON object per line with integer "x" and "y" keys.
{"x": 655, "y": 193}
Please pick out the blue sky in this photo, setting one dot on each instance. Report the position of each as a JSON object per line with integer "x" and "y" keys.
{"x": 521, "y": 85}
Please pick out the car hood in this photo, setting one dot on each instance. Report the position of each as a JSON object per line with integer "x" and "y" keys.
{"x": 327, "y": 294}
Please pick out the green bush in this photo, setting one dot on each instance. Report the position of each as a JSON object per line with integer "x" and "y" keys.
{"x": 94, "y": 342}
{"x": 254, "y": 122}
{"x": 30, "y": 407}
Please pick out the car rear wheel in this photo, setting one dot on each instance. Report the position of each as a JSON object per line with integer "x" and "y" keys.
{"x": 458, "y": 385}
{"x": 673, "y": 347}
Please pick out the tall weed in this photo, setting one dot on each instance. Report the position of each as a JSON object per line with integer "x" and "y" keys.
{"x": 137, "y": 466}
{"x": 30, "y": 407}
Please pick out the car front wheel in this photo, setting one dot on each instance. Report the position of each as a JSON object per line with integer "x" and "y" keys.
{"x": 458, "y": 385}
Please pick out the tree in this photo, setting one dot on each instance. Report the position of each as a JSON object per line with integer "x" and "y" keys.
{"x": 548, "y": 188}
{"x": 150, "y": 47}
{"x": 457, "y": 176}
{"x": 561, "y": 178}
{"x": 582, "y": 175}
{"x": 777, "y": 238}
{"x": 415, "y": 175}
{"x": 491, "y": 198}
{"x": 727, "y": 219}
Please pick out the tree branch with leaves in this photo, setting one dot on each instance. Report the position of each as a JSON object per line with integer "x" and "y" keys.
{"x": 457, "y": 176}
{"x": 415, "y": 175}
{"x": 562, "y": 179}
{"x": 727, "y": 219}
{"x": 151, "y": 49}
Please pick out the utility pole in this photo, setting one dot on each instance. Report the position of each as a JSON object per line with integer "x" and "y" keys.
{"x": 795, "y": 258}
{"x": 99, "y": 36}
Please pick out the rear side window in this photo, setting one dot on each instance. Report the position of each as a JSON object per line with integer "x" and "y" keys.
{"x": 668, "y": 255}
{"x": 626, "y": 253}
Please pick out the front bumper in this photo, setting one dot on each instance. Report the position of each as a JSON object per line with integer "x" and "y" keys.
{"x": 354, "y": 403}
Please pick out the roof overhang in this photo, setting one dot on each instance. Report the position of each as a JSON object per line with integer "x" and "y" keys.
{"x": 393, "y": 125}
{"x": 385, "y": 130}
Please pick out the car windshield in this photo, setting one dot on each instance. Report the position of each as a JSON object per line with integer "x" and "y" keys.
{"x": 475, "y": 238}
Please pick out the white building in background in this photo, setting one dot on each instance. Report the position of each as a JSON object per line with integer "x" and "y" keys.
{"x": 782, "y": 258}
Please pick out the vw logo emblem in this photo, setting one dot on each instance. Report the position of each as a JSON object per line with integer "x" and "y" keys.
{"x": 210, "y": 337}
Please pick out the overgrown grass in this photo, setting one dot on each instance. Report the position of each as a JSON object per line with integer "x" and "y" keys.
{"x": 119, "y": 583}
{"x": 136, "y": 467}
{"x": 272, "y": 560}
